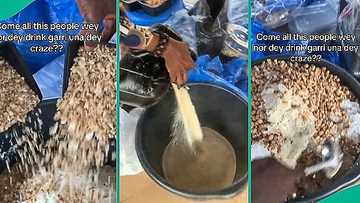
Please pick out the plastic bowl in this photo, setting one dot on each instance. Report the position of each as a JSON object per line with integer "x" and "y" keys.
{"x": 218, "y": 109}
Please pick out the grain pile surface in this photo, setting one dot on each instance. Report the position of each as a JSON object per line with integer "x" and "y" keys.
{"x": 327, "y": 100}
{"x": 68, "y": 167}
{"x": 88, "y": 107}
{"x": 289, "y": 116}
{"x": 16, "y": 99}
{"x": 321, "y": 91}
{"x": 10, "y": 184}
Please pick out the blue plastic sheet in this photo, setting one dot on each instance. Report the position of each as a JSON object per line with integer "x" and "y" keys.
{"x": 275, "y": 13}
{"x": 185, "y": 25}
{"x": 349, "y": 23}
{"x": 50, "y": 78}
{"x": 139, "y": 17}
{"x": 231, "y": 76}
{"x": 238, "y": 12}
{"x": 46, "y": 11}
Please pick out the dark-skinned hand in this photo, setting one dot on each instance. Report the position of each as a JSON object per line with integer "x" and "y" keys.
{"x": 178, "y": 61}
{"x": 97, "y": 11}
{"x": 273, "y": 182}
{"x": 177, "y": 58}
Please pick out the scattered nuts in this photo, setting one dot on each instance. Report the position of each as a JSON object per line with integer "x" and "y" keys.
{"x": 88, "y": 106}
{"x": 67, "y": 167}
{"x": 321, "y": 91}
{"x": 16, "y": 99}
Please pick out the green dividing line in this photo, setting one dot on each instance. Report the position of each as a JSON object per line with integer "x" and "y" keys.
{"x": 349, "y": 195}
{"x": 249, "y": 102}
{"x": 11, "y": 8}
{"x": 117, "y": 170}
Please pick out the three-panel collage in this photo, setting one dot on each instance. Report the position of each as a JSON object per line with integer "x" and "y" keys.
{"x": 180, "y": 101}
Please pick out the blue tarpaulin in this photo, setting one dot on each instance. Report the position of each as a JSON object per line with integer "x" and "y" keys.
{"x": 231, "y": 76}
{"x": 139, "y": 17}
{"x": 47, "y": 67}
{"x": 43, "y": 11}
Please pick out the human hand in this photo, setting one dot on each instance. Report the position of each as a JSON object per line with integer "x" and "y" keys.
{"x": 177, "y": 58}
{"x": 273, "y": 182}
{"x": 95, "y": 11}
{"x": 178, "y": 61}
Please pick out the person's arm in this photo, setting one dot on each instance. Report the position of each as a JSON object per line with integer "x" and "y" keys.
{"x": 176, "y": 53}
{"x": 273, "y": 182}
{"x": 96, "y": 11}
{"x": 177, "y": 58}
